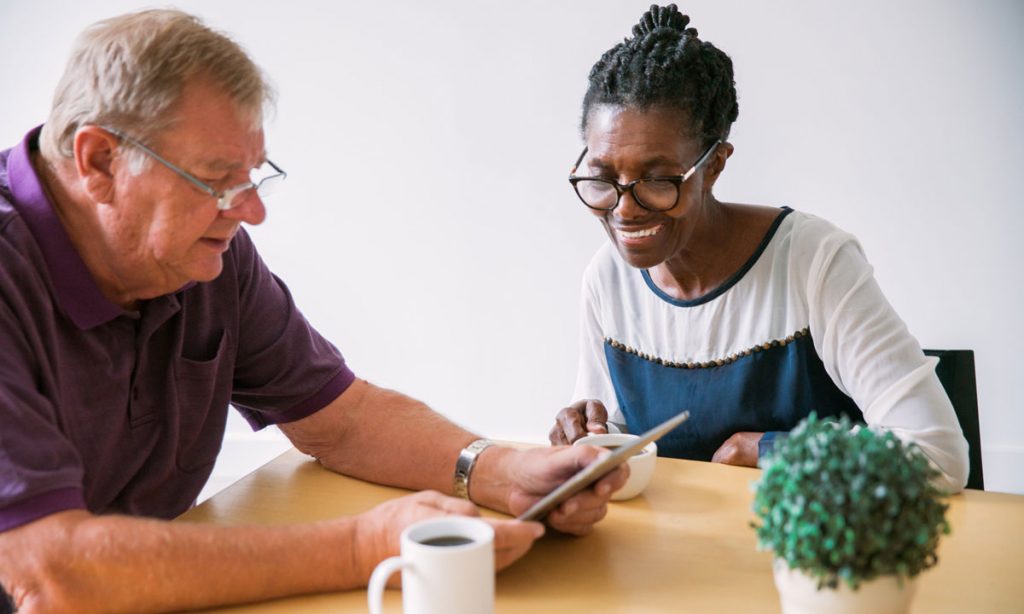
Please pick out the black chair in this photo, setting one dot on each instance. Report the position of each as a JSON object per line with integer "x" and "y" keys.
{"x": 956, "y": 372}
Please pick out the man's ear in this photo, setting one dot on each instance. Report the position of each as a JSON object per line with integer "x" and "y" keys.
{"x": 94, "y": 160}
{"x": 716, "y": 164}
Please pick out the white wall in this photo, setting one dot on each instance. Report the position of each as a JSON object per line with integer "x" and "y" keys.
{"x": 427, "y": 228}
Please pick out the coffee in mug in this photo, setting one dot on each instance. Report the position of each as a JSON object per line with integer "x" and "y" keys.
{"x": 447, "y": 540}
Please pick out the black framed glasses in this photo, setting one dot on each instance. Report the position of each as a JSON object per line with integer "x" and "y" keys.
{"x": 651, "y": 193}
{"x": 265, "y": 178}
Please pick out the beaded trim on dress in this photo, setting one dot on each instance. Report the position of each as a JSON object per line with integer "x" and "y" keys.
{"x": 710, "y": 363}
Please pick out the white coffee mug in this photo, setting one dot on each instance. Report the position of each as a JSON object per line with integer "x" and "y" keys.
{"x": 447, "y": 567}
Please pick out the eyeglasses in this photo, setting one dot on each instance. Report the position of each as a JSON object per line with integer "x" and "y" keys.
{"x": 651, "y": 193}
{"x": 264, "y": 179}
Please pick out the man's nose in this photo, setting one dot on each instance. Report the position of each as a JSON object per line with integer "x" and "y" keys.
{"x": 250, "y": 210}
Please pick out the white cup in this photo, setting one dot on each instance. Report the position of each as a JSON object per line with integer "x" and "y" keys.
{"x": 641, "y": 464}
{"x": 445, "y": 577}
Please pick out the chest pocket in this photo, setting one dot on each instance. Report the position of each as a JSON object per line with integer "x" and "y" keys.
{"x": 203, "y": 390}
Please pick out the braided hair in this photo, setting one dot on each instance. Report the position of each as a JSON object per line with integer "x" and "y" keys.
{"x": 666, "y": 65}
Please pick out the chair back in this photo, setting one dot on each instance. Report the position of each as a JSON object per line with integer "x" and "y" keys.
{"x": 956, "y": 372}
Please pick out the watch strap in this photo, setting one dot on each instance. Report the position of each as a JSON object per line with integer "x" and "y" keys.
{"x": 465, "y": 463}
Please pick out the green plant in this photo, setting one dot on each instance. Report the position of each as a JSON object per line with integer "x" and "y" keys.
{"x": 851, "y": 504}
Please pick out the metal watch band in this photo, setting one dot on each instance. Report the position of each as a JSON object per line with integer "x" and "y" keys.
{"x": 464, "y": 465}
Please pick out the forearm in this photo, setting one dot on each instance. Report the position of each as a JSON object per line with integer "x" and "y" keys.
{"x": 917, "y": 410}
{"x": 76, "y": 562}
{"x": 383, "y": 436}
{"x": 871, "y": 355}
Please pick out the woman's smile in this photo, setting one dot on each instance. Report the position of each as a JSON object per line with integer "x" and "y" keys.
{"x": 637, "y": 237}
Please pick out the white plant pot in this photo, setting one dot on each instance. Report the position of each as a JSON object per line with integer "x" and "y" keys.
{"x": 800, "y": 595}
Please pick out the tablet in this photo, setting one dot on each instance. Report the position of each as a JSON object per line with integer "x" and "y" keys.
{"x": 594, "y": 471}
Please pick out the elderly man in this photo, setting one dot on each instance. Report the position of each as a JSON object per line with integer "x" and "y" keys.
{"x": 134, "y": 309}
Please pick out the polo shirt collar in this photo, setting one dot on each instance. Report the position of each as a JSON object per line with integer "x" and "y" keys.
{"x": 76, "y": 289}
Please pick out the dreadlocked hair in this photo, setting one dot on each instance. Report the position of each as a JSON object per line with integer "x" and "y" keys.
{"x": 666, "y": 65}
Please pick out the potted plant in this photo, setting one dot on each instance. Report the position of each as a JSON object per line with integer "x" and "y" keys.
{"x": 851, "y": 515}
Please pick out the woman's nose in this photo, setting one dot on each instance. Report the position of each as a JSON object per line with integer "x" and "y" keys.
{"x": 628, "y": 208}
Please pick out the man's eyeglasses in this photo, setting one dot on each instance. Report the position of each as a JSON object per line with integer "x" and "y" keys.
{"x": 651, "y": 193}
{"x": 264, "y": 178}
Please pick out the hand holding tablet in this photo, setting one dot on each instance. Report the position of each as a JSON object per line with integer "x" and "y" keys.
{"x": 594, "y": 471}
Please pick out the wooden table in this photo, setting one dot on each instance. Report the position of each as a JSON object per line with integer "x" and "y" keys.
{"x": 684, "y": 545}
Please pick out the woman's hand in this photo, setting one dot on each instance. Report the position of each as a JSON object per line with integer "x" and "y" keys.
{"x": 578, "y": 420}
{"x": 740, "y": 449}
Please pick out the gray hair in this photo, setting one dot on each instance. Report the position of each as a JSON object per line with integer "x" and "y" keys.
{"x": 128, "y": 71}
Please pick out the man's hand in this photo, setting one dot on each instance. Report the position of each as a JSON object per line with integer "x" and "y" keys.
{"x": 378, "y": 531}
{"x": 578, "y": 420}
{"x": 513, "y": 480}
{"x": 740, "y": 449}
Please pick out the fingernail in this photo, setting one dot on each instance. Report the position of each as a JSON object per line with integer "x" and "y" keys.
{"x": 570, "y": 508}
{"x": 602, "y": 489}
{"x": 538, "y": 530}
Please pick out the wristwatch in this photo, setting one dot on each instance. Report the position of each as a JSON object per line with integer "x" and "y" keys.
{"x": 464, "y": 465}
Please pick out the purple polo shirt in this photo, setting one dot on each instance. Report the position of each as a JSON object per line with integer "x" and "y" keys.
{"x": 122, "y": 411}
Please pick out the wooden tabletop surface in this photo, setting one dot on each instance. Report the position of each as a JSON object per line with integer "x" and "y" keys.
{"x": 684, "y": 545}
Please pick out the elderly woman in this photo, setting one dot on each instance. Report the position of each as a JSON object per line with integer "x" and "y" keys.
{"x": 749, "y": 316}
